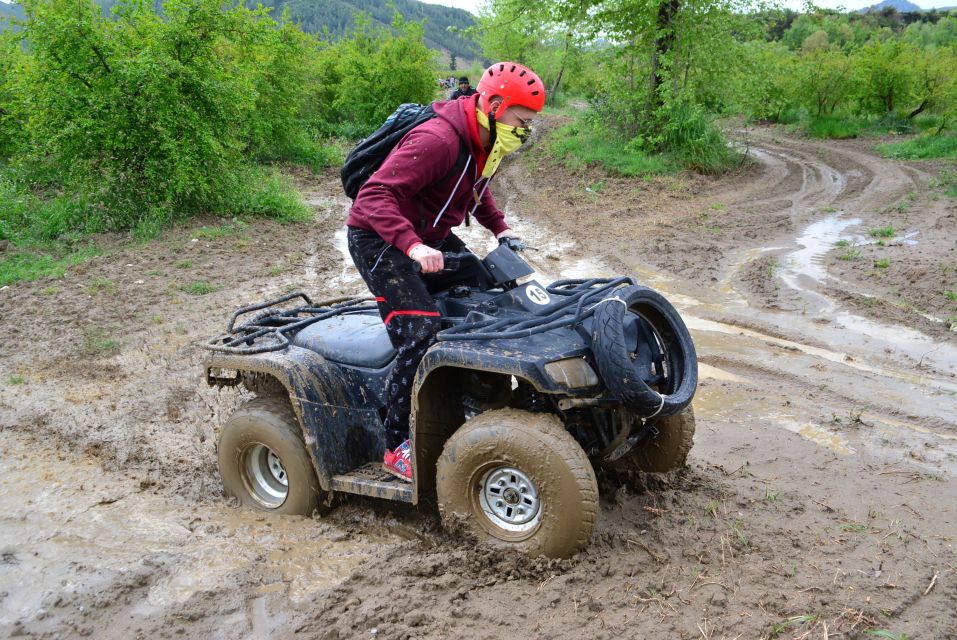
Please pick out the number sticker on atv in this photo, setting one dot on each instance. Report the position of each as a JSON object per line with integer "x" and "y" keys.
{"x": 537, "y": 295}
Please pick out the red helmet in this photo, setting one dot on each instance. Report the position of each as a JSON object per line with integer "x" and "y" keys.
{"x": 514, "y": 83}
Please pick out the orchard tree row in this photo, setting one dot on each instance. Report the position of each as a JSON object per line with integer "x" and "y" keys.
{"x": 138, "y": 118}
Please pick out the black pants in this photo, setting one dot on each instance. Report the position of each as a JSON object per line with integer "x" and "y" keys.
{"x": 409, "y": 312}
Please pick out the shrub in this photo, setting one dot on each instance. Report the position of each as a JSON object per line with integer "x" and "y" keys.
{"x": 142, "y": 119}
{"x": 362, "y": 79}
{"x": 692, "y": 138}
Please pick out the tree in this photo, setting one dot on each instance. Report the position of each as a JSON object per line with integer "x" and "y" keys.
{"x": 886, "y": 74}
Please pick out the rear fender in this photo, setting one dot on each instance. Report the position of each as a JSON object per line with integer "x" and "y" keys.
{"x": 340, "y": 425}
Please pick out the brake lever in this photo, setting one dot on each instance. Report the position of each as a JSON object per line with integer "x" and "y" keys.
{"x": 513, "y": 243}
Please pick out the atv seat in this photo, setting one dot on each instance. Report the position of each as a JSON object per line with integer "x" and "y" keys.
{"x": 358, "y": 339}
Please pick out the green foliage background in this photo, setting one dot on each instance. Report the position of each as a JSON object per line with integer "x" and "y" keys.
{"x": 658, "y": 74}
{"x": 140, "y": 115}
{"x": 140, "y": 118}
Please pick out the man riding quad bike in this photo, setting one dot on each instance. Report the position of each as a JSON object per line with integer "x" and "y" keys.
{"x": 526, "y": 392}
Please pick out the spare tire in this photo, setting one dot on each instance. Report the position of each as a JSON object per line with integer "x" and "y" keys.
{"x": 644, "y": 352}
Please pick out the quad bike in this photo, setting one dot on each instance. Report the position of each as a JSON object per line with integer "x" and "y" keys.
{"x": 527, "y": 390}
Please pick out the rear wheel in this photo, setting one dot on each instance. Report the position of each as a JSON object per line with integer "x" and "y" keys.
{"x": 263, "y": 460}
{"x": 519, "y": 480}
{"x": 665, "y": 450}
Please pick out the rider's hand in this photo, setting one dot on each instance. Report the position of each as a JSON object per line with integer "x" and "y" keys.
{"x": 430, "y": 259}
{"x": 513, "y": 240}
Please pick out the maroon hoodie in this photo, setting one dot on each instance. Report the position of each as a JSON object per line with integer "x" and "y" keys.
{"x": 403, "y": 198}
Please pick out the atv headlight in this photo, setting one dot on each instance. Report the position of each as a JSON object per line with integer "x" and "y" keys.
{"x": 573, "y": 373}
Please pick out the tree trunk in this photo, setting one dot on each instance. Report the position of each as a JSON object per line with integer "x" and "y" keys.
{"x": 561, "y": 70}
{"x": 920, "y": 108}
{"x": 667, "y": 11}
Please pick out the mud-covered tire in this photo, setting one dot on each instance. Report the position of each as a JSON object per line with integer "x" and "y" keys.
{"x": 614, "y": 352}
{"x": 533, "y": 455}
{"x": 261, "y": 427}
{"x": 666, "y": 451}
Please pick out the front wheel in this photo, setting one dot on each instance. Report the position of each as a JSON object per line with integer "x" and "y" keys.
{"x": 263, "y": 460}
{"x": 519, "y": 480}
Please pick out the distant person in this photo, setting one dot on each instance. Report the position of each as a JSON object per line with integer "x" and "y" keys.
{"x": 464, "y": 91}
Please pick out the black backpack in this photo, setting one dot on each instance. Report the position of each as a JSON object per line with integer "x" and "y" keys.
{"x": 371, "y": 152}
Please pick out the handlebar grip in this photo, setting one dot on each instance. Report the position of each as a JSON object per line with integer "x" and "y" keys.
{"x": 451, "y": 261}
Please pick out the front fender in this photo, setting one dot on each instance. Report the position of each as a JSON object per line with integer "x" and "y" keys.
{"x": 436, "y": 409}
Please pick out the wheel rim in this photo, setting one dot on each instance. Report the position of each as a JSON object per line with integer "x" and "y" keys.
{"x": 509, "y": 499}
{"x": 264, "y": 476}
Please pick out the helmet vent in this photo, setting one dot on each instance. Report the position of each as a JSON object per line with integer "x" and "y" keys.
{"x": 501, "y": 67}
{"x": 531, "y": 82}
{"x": 534, "y": 93}
{"x": 512, "y": 70}
{"x": 522, "y": 73}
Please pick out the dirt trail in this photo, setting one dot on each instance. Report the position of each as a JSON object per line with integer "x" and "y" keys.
{"x": 820, "y": 496}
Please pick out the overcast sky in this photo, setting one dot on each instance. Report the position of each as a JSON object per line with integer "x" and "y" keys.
{"x": 472, "y": 5}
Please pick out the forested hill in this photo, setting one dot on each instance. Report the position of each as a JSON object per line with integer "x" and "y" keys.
{"x": 337, "y": 15}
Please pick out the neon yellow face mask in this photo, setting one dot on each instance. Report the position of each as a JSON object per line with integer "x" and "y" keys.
{"x": 507, "y": 140}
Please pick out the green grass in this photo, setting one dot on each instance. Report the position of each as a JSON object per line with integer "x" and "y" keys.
{"x": 15, "y": 380}
{"x": 215, "y": 233}
{"x": 921, "y": 147}
{"x": 887, "y": 635}
{"x": 26, "y": 265}
{"x": 950, "y": 295}
{"x": 836, "y": 127}
{"x": 104, "y": 285}
{"x": 97, "y": 341}
{"x": 850, "y": 254}
{"x": 854, "y": 527}
{"x": 201, "y": 288}
{"x": 267, "y": 194}
{"x": 792, "y": 624}
{"x": 578, "y": 147}
{"x": 882, "y": 232}
{"x": 947, "y": 180}
{"x": 47, "y": 230}
{"x": 883, "y": 263}
{"x": 842, "y": 243}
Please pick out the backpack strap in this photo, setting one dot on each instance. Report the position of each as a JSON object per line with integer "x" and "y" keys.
{"x": 461, "y": 163}
{"x": 460, "y": 167}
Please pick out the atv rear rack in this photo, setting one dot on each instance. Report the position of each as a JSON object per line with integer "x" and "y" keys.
{"x": 272, "y": 329}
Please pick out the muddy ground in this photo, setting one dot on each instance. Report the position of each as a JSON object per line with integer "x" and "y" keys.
{"x": 819, "y": 500}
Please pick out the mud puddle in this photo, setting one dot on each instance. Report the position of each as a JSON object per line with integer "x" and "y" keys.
{"x": 74, "y": 539}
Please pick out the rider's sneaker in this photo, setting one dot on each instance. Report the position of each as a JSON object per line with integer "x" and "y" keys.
{"x": 399, "y": 462}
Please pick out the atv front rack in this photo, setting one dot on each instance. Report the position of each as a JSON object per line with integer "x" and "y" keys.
{"x": 580, "y": 298}
{"x": 272, "y": 329}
